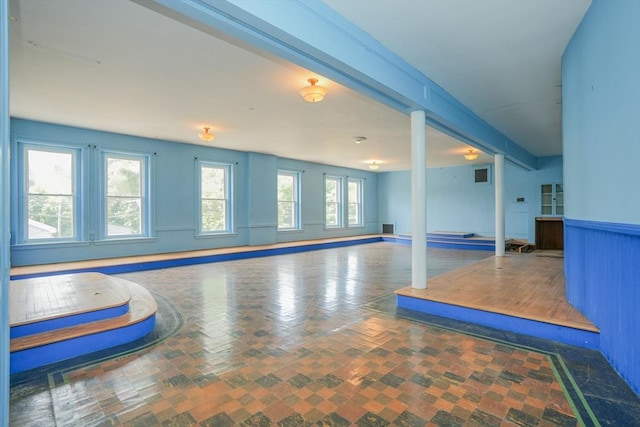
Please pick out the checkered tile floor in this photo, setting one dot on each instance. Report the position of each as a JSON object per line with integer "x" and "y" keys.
{"x": 290, "y": 341}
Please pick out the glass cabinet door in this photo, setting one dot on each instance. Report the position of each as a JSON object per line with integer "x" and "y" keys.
{"x": 547, "y": 199}
{"x": 559, "y": 199}
{"x": 552, "y": 199}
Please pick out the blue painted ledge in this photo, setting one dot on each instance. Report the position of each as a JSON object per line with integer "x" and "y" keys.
{"x": 563, "y": 334}
{"x": 47, "y": 325}
{"x": 40, "y": 356}
{"x": 205, "y": 259}
{"x": 456, "y": 242}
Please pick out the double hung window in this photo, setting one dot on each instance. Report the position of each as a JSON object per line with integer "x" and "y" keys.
{"x": 215, "y": 198}
{"x": 125, "y": 195}
{"x": 288, "y": 196}
{"x": 333, "y": 201}
{"x": 50, "y": 177}
{"x": 354, "y": 198}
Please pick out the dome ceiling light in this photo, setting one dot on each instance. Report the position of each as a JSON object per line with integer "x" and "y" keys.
{"x": 313, "y": 93}
{"x": 206, "y": 135}
{"x": 471, "y": 155}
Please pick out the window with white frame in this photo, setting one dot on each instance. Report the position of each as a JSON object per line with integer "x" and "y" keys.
{"x": 288, "y": 196}
{"x": 354, "y": 200}
{"x": 333, "y": 201}
{"x": 215, "y": 194}
{"x": 125, "y": 195}
{"x": 50, "y": 176}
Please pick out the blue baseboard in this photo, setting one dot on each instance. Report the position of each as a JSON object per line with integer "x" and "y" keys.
{"x": 449, "y": 235}
{"x": 36, "y": 357}
{"x": 566, "y": 335}
{"x": 471, "y": 246}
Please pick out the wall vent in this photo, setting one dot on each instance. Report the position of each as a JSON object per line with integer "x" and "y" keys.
{"x": 481, "y": 175}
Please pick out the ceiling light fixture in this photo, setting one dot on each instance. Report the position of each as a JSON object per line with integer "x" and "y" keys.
{"x": 206, "y": 136}
{"x": 374, "y": 165}
{"x": 313, "y": 93}
{"x": 359, "y": 139}
{"x": 471, "y": 155}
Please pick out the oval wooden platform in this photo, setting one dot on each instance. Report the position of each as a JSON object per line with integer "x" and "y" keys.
{"x": 76, "y": 295}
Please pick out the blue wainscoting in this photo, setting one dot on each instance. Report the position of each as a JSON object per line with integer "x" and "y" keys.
{"x": 602, "y": 268}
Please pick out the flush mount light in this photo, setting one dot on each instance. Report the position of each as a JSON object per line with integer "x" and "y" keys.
{"x": 313, "y": 92}
{"x": 374, "y": 165}
{"x": 360, "y": 139}
{"x": 471, "y": 155}
{"x": 206, "y": 135}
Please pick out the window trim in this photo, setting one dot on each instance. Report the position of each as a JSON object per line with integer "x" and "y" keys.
{"x": 23, "y": 189}
{"x": 297, "y": 222}
{"x": 145, "y": 192}
{"x": 229, "y": 211}
{"x": 340, "y": 201}
{"x": 360, "y": 202}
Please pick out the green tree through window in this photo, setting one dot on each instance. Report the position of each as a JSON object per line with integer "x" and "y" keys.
{"x": 288, "y": 200}
{"x": 50, "y": 194}
{"x": 124, "y": 198}
{"x": 214, "y": 194}
{"x": 354, "y": 196}
{"x": 333, "y": 201}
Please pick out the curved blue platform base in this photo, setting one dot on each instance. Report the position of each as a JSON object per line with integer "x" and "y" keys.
{"x": 64, "y": 322}
{"x": 36, "y": 357}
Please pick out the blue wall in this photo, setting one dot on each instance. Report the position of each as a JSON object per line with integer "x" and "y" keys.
{"x": 456, "y": 203}
{"x": 601, "y": 144}
{"x": 175, "y": 198}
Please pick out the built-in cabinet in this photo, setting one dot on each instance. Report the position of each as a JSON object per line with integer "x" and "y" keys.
{"x": 550, "y": 233}
{"x": 552, "y": 199}
{"x": 550, "y": 225}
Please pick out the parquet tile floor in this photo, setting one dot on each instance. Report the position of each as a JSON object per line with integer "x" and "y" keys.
{"x": 306, "y": 339}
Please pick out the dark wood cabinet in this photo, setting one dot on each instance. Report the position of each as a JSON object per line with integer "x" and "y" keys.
{"x": 549, "y": 233}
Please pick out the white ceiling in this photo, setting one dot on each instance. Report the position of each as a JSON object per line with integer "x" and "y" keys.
{"x": 117, "y": 66}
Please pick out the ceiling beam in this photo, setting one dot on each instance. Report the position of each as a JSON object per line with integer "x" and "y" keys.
{"x": 314, "y": 36}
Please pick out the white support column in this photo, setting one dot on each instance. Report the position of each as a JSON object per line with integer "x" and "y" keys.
{"x": 499, "y": 177}
{"x": 418, "y": 200}
{"x": 4, "y": 213}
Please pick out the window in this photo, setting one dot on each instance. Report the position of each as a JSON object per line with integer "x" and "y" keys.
{"x": 355, "y": 202}
{"x": 288, "y": 195}
{"x": 51, "y": 199}
{"x": 552, "y": 199}
{"x": 215, "y": 204}
{"x": 125, "y": 191}
{"x": 333, "y": 201}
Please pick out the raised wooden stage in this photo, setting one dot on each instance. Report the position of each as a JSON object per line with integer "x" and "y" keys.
{"x": 54, "y": 318}
{"x": 522, "y": 293}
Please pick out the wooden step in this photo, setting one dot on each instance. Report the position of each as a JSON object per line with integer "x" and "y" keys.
{"x": 141, "y": 307}
{"x": 52, "y": 302}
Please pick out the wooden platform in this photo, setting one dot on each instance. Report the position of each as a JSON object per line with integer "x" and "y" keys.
{"x": 455, "y": 240}
{"x": 175, "y": 259}
{"x": 58, "y": 317}
{"x": 517, "y": 288}
{"x": 46, "y": 298}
